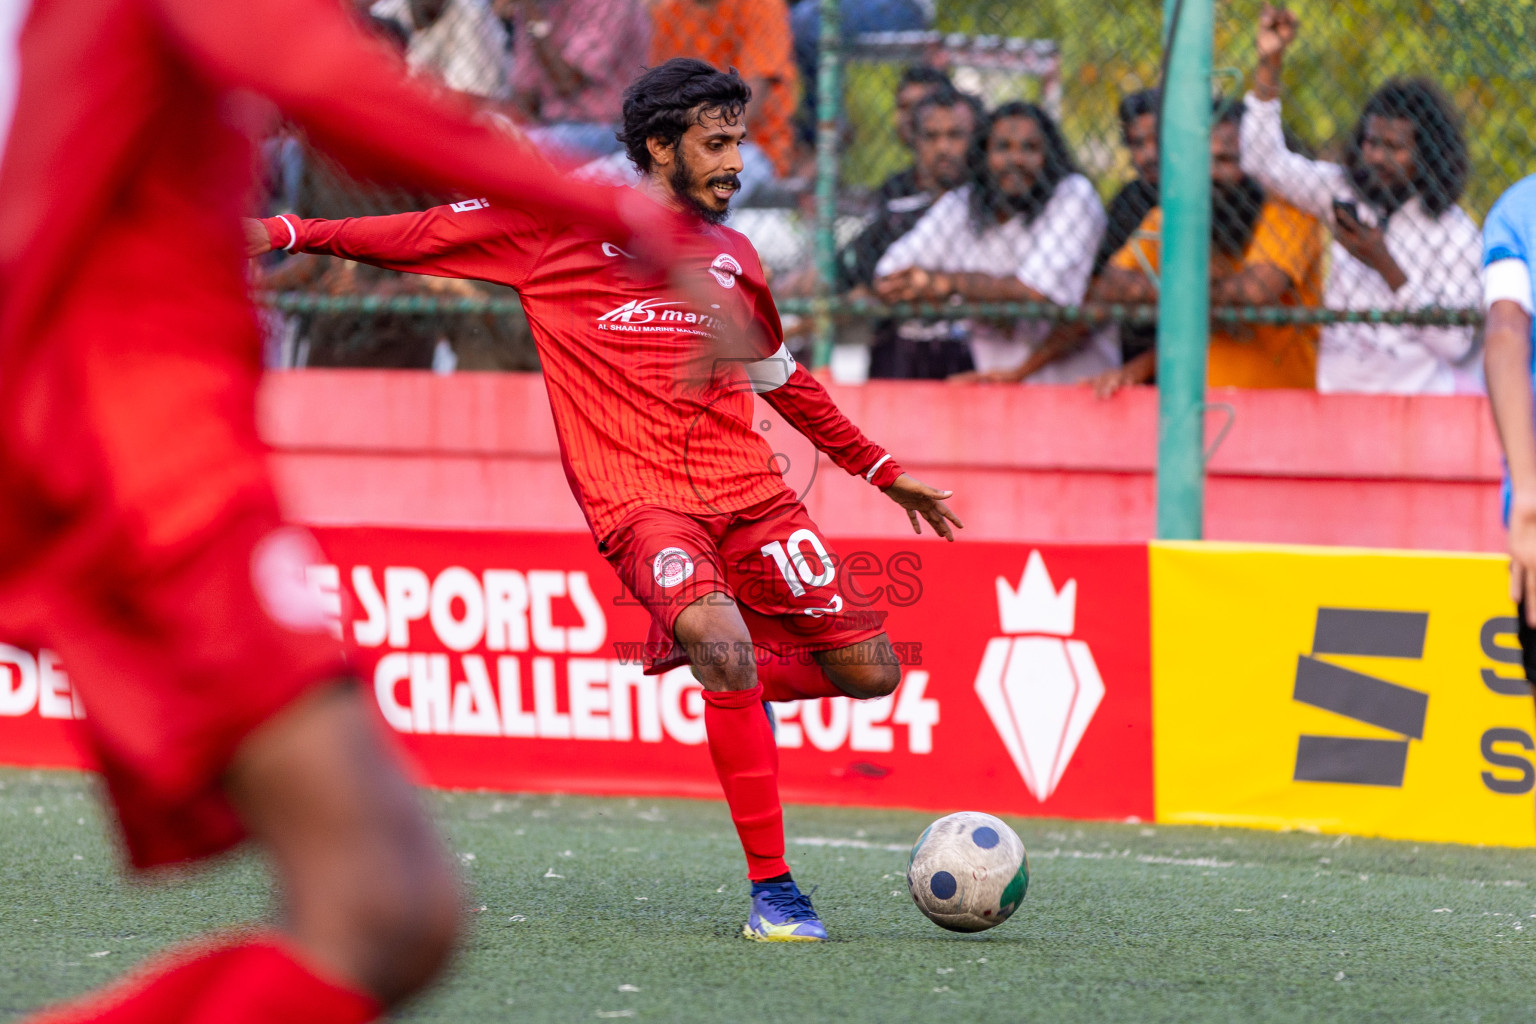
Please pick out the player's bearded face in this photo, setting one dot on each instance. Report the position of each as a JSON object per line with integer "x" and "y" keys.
{"x": 704, "y": 174}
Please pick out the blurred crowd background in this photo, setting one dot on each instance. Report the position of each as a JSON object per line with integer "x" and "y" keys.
{"x": 996, "y": 165}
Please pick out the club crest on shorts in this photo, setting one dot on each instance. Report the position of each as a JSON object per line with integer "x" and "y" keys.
{"x": 724, "y": 270}
{"x": 671, "y": 566}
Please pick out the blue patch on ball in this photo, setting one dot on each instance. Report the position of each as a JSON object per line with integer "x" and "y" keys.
{"x": 942, "y": 884}
{"x": 985, "y": 837}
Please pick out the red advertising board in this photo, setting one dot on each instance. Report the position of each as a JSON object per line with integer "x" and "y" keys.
{"x": 37, "y": 711}
{"x": 510, "y": 661}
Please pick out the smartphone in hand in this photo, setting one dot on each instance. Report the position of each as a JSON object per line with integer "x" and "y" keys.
{"x": 1347, "y": 212}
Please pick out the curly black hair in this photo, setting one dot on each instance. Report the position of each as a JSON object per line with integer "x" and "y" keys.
{"x": 987, "y": 200}
{"x": 665, "y": 101}
{"x": 1440, "y": 156}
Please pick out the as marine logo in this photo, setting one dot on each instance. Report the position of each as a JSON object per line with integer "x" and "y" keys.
{"x": 645, "y": 315}
{"x": 637, "y": 311}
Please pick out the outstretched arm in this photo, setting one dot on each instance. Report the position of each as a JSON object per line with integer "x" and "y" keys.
{"x": 468, "y": 240}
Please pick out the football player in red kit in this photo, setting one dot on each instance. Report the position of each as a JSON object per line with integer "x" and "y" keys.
{"x": 139, "y": 534}
{"x": 680, "y": 491}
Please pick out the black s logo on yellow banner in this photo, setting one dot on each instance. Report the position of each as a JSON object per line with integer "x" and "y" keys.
{"x": 1367, "y": 633}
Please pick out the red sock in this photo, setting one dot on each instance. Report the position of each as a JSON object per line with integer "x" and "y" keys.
{"x": 747, "y": 762}
{"x": 268, "y": 982}
{"x": 793, "y": 677}
{"x": 258, "y": 980}
{"x": 159, "y": 990}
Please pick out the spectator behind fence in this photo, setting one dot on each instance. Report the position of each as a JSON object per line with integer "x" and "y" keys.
{"x": 1400, "y": 240}
{"x": 1024, "y": 231}
{"x": 946, "y": 123}
{"x": 1138, "y": 115}
{"x": 1136, "y": 198}
{"x": 1264, "y": 252}
{"x": 571, "y": 60}
{"x": 753, "y": 37}
{"x": 459, "y": 42}
{"x": 917, "y": 83}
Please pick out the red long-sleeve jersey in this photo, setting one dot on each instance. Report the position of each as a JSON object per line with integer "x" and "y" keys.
{"x": 127, "y": 161}
{"x": 640, "y": 421}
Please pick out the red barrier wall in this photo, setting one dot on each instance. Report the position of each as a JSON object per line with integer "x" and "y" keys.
{"x": 1039, "y": 463}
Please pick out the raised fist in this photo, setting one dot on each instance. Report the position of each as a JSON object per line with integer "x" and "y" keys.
{"x": 1277, "y": 30}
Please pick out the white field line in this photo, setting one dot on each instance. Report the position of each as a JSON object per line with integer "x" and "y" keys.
{"x": 1052, "y": 854}
{"x": 849, "y": 844}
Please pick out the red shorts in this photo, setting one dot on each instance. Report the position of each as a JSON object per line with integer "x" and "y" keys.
{"x": 769, "y": 558}
{"x": 140, "y": 539}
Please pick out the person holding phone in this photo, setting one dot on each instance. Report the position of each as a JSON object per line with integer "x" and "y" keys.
{"x": 1401, "y": 242}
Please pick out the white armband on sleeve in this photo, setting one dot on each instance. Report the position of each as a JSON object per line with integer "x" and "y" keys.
{"x": 293, "y": 235}
{"x": 1507, "y": 280}
{"x": 870, "y": 476}
{"x": 773, "y": 372}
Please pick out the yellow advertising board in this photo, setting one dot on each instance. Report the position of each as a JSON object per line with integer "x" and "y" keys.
{"x": 1342, "y": 690}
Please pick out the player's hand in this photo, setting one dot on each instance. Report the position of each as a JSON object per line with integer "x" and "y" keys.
{"x": 1277, "y": 31}
{"x": 257, "y": 241}
{"x": 1522, "y": 553}
{"x": 921, "y": 500}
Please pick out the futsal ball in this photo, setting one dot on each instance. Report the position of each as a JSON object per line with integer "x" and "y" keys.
{"x": 968, "y": 872}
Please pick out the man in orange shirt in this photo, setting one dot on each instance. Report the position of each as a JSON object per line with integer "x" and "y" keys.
{"x": 1263, "y": 253}
{"x": 753, "y": 36}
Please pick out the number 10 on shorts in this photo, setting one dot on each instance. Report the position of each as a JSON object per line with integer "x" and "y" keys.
{"x": 817, "y": 573}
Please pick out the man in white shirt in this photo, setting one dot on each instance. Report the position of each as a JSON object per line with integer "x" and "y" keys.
{"x": 460, "y": 42}
{"x": 1025, "y": 231}
{"x": 1400, "y": 241}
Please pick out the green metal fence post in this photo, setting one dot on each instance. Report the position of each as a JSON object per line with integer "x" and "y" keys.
{"x": 829, "y": 105}
{"x": 1183, "y": 322}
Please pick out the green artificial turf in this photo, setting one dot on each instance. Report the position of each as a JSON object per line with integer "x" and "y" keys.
{"x": 589, "y": 909}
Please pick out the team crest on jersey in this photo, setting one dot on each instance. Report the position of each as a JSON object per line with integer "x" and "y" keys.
{"x": 724, "y": 270}
{"x": 671, "y": 566}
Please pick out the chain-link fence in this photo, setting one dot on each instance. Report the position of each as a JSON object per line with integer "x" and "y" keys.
{"x": 989, "y": 181}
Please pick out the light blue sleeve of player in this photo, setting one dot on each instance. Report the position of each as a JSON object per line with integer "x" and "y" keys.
{"x": 1508, "y": 231}
{"x": 1507, "y": 235}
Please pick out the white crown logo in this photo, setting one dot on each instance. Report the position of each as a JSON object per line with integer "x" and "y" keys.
{"x": 1036, "y": 607}
{"x": 1040, "y": 690}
